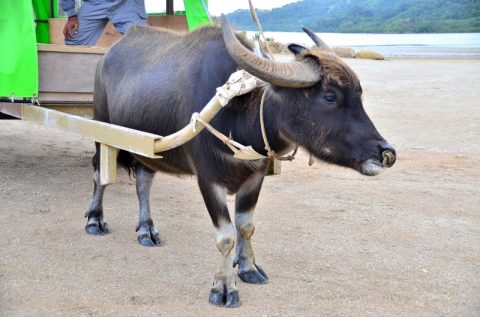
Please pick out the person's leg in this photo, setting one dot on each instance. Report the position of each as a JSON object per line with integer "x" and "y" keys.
{"x": 124, "y": 14}
{"x": 92, "y": 18}
{"x": 122, "y": 27}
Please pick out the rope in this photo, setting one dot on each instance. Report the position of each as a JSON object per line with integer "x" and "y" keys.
{"x": 242, "y": 152}
{"x": 226, "y": 140}
{"x": 271, "y": 153}
{"x": 259, "y": 26}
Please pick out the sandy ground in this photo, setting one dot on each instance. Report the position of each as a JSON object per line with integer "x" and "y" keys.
{"x": 335, "y": 243}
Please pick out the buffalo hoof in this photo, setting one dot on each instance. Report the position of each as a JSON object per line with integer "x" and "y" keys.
{"x": 97, "y": 227}
{"x": 148, "y": 236}
{"x": 149, "y": 241}
{"x": 224, "y": 298}
{"x": 233, "y": 300}
{"x": 257, "y": 276}
{"x": 217, "y": 297}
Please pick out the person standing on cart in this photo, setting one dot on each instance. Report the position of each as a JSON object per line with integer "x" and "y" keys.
{"x": 85, "y": 26}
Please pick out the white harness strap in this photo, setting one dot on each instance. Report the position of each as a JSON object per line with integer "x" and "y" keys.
{"x": 271, "y": 153}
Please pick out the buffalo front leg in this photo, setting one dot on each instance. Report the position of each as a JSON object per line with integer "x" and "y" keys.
{"x": 245, "y": 202}
{"x": 224, "y": 290}
{"x": 96, "y": 225}
{"x": 147, "y": 233}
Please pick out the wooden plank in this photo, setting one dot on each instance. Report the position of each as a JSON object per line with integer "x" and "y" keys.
{"x": 175, "y": 22}
{"x": 50, "y": 97}
{"x": 11, "y": 109}
{"x": 108, "y": 164}
{"x": 65, "y": 72}
{"x": 77, "y": 109}
{"x": 62, "y": 48}
{"x": 141, "y": 143}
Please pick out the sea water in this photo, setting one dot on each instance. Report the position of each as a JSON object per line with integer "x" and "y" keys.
{"x": 464, "y": 45}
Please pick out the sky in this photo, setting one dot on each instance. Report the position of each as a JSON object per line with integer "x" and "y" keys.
{"x": 226, "y": 6}
{"x": 216, "y": 7}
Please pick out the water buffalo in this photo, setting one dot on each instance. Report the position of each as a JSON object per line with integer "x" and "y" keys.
{"x": 153, "y": 80}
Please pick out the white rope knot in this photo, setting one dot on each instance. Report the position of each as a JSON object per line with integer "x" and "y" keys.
{"x": 239, "y": 83}
{"x": 193, "y": 121}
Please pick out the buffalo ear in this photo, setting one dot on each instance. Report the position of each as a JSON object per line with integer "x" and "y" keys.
{"x": 296, "y": 49}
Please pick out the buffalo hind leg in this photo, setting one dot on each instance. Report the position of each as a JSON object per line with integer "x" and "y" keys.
{"x": 96, "y": 225}
{"x": 245, "y": 202}
{"x": 147, "y": 233}
{"x": 224, "y": 290}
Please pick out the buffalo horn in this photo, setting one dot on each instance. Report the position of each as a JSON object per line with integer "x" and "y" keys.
{"x": 318, "y": 41}
{"x": 293, "y": 75}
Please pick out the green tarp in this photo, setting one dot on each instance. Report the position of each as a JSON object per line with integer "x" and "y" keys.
{"x": 42, "y": 13}
{"x": 18, "y": 54}
{"x": 196, "y": 13}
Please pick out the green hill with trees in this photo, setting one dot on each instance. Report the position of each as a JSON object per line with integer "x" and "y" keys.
{"x": 368, "y": 16}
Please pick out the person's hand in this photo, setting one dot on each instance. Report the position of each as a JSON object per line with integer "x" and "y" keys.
{"x": 71, "y": 27}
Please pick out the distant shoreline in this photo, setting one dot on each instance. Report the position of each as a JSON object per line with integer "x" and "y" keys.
{"x": 446, "y": 45}
{"x": 422, "y": 52}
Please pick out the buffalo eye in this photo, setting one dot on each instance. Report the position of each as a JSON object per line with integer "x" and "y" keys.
{"x": 330, "y": 97}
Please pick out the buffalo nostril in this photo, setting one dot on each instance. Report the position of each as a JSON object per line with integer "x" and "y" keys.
{"x": 388, "y": 153}
{"x": 388, "y": 158}
{"x": 385, "y": 146}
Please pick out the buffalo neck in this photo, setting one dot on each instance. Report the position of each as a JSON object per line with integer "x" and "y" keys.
{"x": 244, "y": 114}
